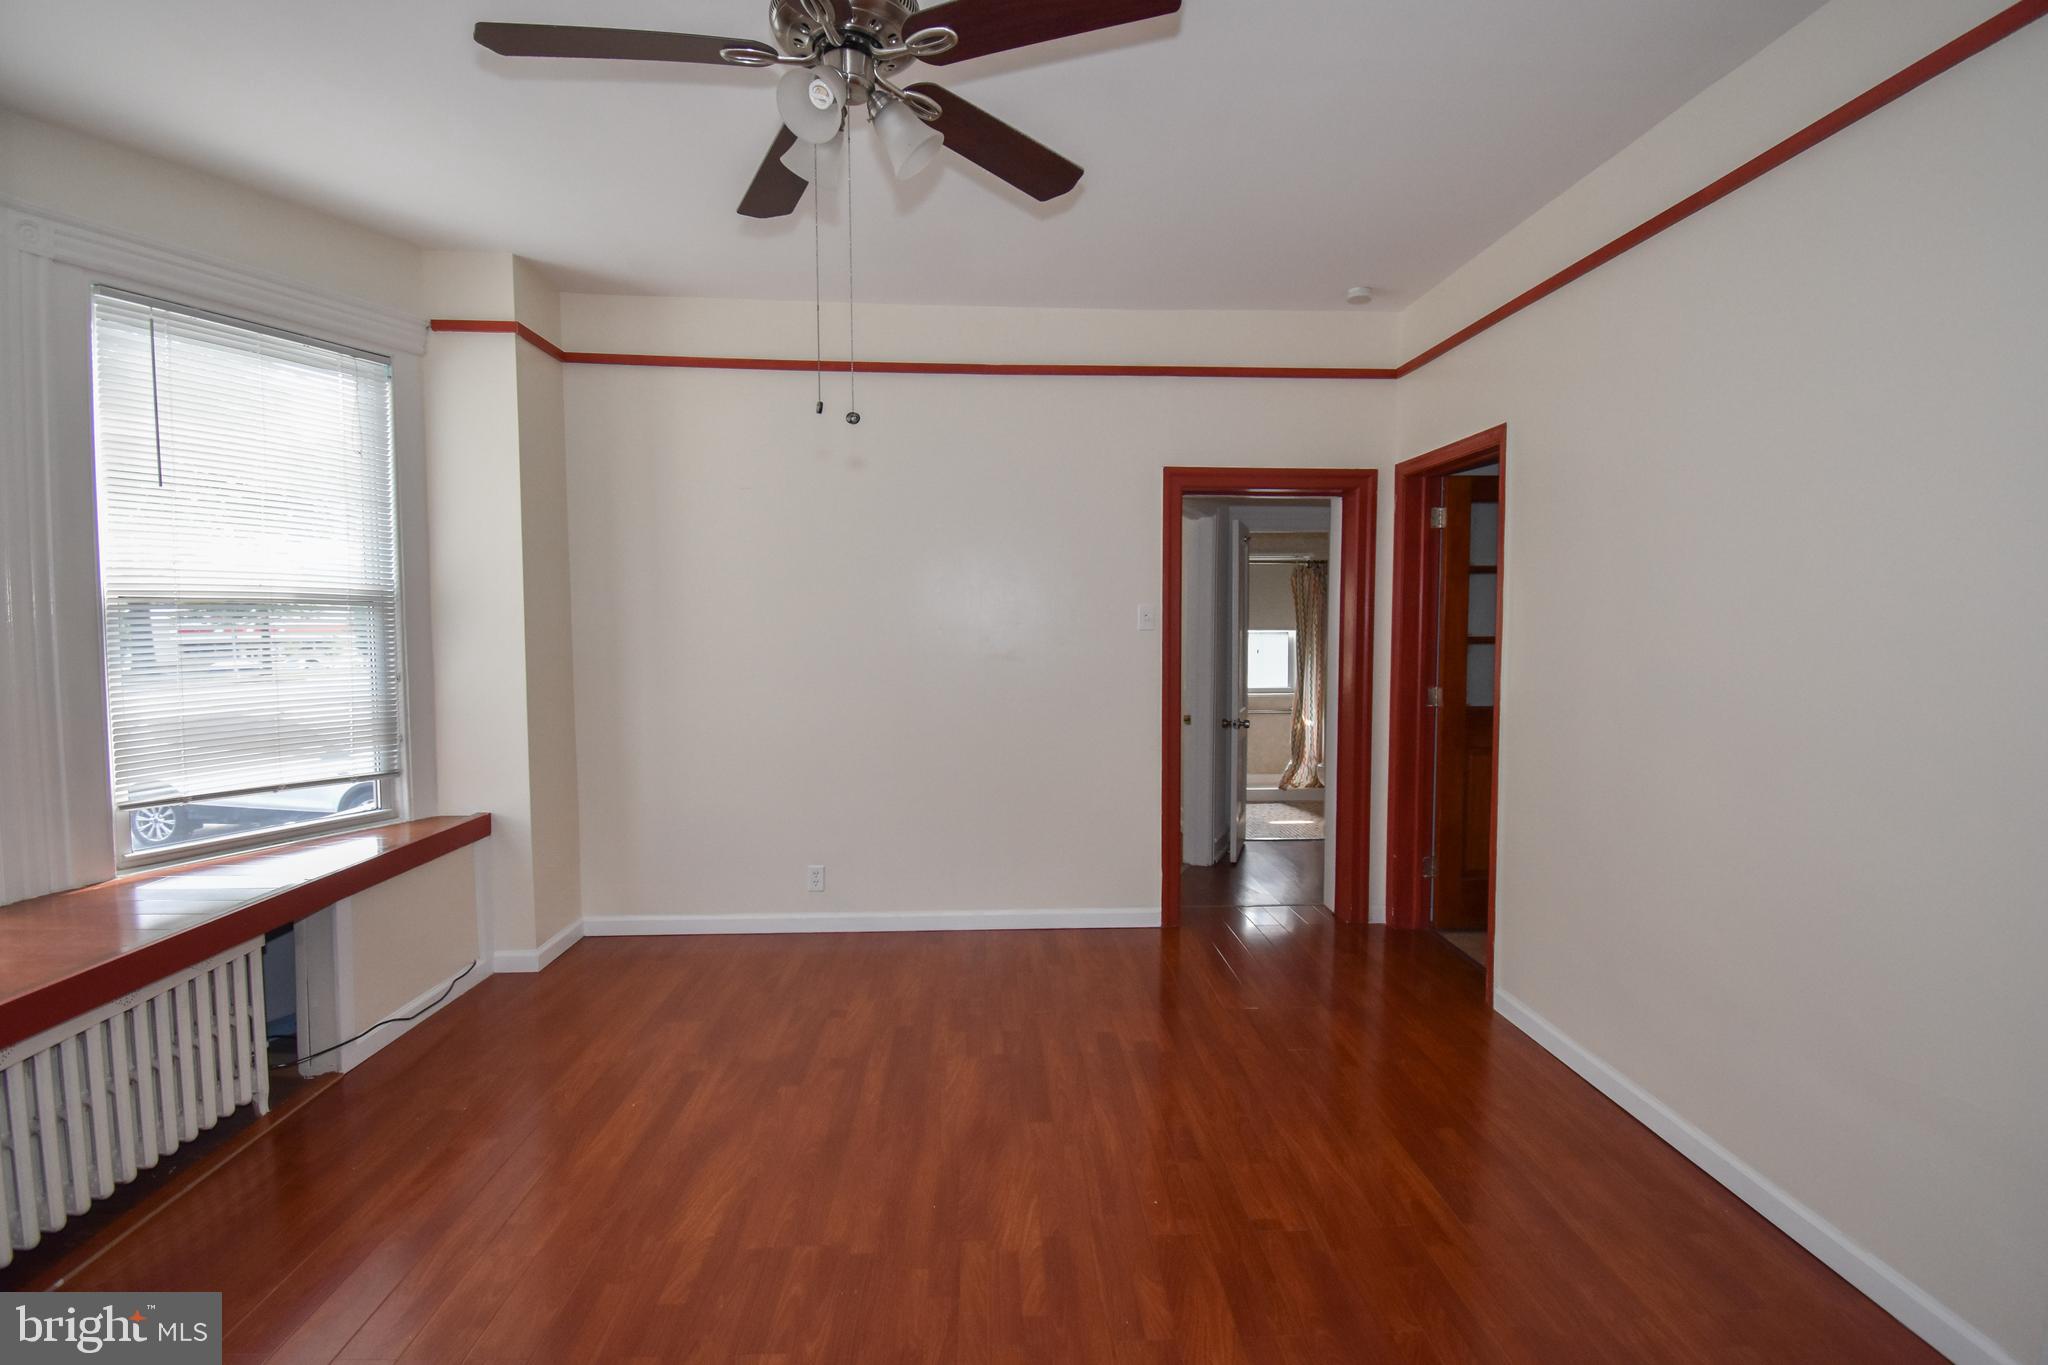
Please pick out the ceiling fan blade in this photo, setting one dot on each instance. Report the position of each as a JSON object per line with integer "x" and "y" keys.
{"x": 998, "y": 148}
{"x": 987, "y": 26}
{"x": 619, "y": 44}
{"x": 777, "y": 189}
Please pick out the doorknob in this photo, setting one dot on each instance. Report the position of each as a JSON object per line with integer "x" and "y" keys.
{"x": 1227, "y": 723}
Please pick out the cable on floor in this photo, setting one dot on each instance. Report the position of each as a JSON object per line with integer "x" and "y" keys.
{"x": 381, "y": 1023}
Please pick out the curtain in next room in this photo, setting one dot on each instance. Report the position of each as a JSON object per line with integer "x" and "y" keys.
{"x": 1311, "y": 583}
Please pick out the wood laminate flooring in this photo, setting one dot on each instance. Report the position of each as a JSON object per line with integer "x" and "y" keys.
{"x": 1270, "y": 873}
{"x": 1261, "y": 1139}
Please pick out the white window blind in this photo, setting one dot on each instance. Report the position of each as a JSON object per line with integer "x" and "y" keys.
{"x": 248, "y": 556}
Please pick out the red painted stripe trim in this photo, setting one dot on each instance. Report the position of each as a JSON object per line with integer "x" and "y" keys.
{"x": 518, "y": 329}
{"x": 712, "y": 362}
{"x": 1950, "y": 55}
{"x": 689, "y": 362}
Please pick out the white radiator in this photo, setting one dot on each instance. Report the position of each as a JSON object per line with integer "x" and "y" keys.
{"x": 87, "y": 1104}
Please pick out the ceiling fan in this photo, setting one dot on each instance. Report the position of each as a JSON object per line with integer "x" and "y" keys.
{"x": 841, "y": 55}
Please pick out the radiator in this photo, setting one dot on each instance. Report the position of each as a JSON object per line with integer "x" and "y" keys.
{"x": 88, "y": 1104}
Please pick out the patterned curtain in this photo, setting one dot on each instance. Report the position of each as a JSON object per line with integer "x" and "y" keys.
{"x": 1311, "y": 584}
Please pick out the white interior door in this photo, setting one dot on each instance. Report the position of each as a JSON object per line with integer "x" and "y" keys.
{"x": 1238, "y": 715}
{"x": 1205, "y": 557}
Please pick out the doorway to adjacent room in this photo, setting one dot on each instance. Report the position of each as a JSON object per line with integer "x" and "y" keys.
{"x": 1445, "y": 715}
{"x": 1265, "y": 733}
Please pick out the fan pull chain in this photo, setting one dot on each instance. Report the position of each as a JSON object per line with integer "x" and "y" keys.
{"x": 852, "y": 398}
{"x": 818, "y": 268}
{"x": 156, "y": 414}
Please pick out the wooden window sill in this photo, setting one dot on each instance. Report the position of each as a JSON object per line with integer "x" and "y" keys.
{"x": 65, "y": 954}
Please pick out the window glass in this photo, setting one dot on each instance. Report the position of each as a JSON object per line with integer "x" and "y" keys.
{"x": 1269, "y": 661}
{"x": 1485, "y": 534}
{"x": 1479, "y": 675}
{"x": 1482, "y": 604}
{"x": 150, "y": 828}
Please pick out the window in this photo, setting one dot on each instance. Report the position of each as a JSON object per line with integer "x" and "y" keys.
{"x": 248, "y": 576}
{"x": 1269, "y": 661}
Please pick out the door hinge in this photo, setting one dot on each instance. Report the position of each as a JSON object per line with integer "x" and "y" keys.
{"x": 1439, "y": 517}
{"x": 1436, "y": 696}
{"x": 1429, "y": 866}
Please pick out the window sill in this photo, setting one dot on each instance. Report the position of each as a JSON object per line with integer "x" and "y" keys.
{"x": 63, "y": 955}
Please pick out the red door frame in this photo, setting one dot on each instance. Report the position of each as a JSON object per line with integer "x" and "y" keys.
{"x": 1409, "y": 731}
{"x": 1357, "y": 492}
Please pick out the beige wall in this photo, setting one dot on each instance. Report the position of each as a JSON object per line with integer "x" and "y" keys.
{"x": 758, "y": 590}
{"x": 1772, "y": 728}
{"x": 477, "y": 580}
{"x": 982, "y": 335}
{"x": 499, "y": 540}
{"x": 410, "y": 934}
{"x": 550, "y": 678}
{"x": 50, "y": 167}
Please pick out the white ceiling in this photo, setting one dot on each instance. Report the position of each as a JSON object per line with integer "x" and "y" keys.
{"x": 1244, "y": 154}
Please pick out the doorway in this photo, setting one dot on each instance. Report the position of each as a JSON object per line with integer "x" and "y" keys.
{"x": 1445, "y": 714}
{"x": 1256, "y": 639}
{"x": 1266, "y": 695}
{"x": 1286, "y": 642}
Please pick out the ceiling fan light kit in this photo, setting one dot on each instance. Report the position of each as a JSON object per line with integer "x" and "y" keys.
{"x": 912, "y": 143}
{"x": 805, "y": 158}
{"x": 812, "y": 103}
{"x": 841, "y": 55}
{"x": 864, "y": 43}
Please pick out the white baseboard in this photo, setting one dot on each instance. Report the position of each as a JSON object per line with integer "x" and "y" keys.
{"x": 867, "y": 922}
{"x": 354, "y": 1054}
{"x": 1927, "y": 1317}
{"x": 537, "y": 959}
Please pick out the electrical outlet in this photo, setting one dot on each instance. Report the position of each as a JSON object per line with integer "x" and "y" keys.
{"x": 1148, "y": 618}
{"x": 817, "y": 878}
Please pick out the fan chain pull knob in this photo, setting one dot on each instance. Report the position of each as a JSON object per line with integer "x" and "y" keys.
{"x": 853, "y": 419}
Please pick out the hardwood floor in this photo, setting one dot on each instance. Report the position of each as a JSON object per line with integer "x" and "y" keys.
{"x": 112, "y": 1218}
{"x": 1262, "y": 1138}
{"x": 1472, "y": 943}
{"x": 1283, "y": 872}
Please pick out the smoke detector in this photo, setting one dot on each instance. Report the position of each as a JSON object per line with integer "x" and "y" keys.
{"x": 1358, "y": 295}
